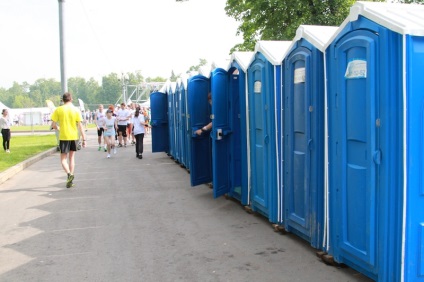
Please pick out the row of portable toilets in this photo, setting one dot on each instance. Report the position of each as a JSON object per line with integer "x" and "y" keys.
{"x": 323, "y": 135}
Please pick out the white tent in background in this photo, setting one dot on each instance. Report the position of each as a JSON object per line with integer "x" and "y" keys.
{"x": 3, "y": 106}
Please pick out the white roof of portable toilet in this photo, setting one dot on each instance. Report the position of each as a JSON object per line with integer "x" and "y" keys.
{"x": 205, "y": 71}
{"x": 165, "y": 87}
{"x": 400, "y": 18}
{"x": 242, "y": 58}
{"x": 173, "y": 87}
{"x": 317, "y": 35}
{"x": 274, "y": 51}
{"x": 184, "y": 78}
{"x": 222, "y": 63}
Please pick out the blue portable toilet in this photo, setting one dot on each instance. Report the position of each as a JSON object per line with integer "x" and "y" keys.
{"x": 187, "y": 124}
{"x": 177, "y": 120}
{"x": 229, "y": 116}
{"x": 303, "y": 127}
{"x": 375, "y": 102}
{"x": 264, "y": 100}
{"x": 182, "y": 122}
{"x": 171, "y": 125}
{"x": 237, "y": 90}
{"x": 159, "y": 122}
{"x": 199, "y": 115}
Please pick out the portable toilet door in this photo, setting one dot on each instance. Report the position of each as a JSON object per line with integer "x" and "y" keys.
{"x": 159, "y": 122}
{"x": 171, "y": 128}
{"x": 264, "y": 90}
{"x": 187, "y": 125}
{"x": 177, "y": 125}
{"x": 303, "y": 123}
{"x": 200, "y": 115}
{"x": 182, "y": 123}
{"x": 375, "y": 88}
{"x": 237, "y": 71}
{"x": 221, "y": 133}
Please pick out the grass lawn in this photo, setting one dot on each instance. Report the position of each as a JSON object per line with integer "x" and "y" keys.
{"x": 25, "y": 147}
{"x": 38, "y": 127}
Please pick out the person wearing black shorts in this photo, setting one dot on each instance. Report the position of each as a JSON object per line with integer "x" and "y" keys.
{"x": 70, "y": 122}
{"x": 100, "y": 116}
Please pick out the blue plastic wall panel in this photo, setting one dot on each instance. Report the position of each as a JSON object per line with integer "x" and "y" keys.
{"x": 171, "y": 124}
{"x": 236, "y": 190}
{"x": 414, "y": 231}
{"x": 237, "y": 90}
{"x": 262, "y": 137}
{"x": 160, "y": 133}
{"x": 221, "y": 133}
{"x": 200, "y": 147}
{"x": 177, "y": 125}
{"x": 365, "y": 151}
{"x": 188, "y": 132}
{"x": 183, "y": 126}
{"x": 304, "y": 142}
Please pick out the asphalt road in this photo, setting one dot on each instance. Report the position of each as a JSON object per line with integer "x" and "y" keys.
{"x": 139, "y": 220}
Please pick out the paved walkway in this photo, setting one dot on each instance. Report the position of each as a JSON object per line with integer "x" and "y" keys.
{"x": 139, "y": 220}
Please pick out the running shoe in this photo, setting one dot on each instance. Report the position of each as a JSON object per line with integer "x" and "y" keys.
{"x": 100, "y": 147}
{"x": 69, "y": 183}
{"x": 119, "y": 145}
{"x": 7, "y": 151}
{"x": 114, "y": 150}
{"x": 108, "y": 156}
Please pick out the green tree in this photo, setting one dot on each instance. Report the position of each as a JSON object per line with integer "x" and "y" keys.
{"x": 279, "y": 19}
{"x": 111, "y": 89}
{"x": 45, "y": 89}
{"x": 173, "y": 76}
{"x": 202, "y": 62}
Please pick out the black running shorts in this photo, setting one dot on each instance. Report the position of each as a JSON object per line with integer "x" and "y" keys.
{"x": 67, "y": 145}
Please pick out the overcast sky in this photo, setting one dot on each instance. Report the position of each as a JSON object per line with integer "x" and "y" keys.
{"x": 104, "y": 36}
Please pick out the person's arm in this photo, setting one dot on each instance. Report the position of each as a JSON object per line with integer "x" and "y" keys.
{"x": 53, "y": 125}
{"x": 81, "y": 129}
{"x": 205, "y": 128}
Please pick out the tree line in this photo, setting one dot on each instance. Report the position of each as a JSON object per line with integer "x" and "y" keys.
{"x": 25, "y": 95}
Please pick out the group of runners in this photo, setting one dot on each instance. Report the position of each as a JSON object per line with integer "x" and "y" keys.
{"x": 121, "y": 126}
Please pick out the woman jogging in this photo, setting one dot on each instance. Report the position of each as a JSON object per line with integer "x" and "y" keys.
{"x": 110, "y": 127}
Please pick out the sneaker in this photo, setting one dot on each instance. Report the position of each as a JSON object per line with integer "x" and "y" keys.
{"x": 108, "y": 156}
{"x": 119, "y": 145}
{"x": 7, "y": 151}
{"x": 140, "y": 156}
{"x": 105, "y": 150}
{"x": 100, "y": 147}
{"x": 114, "y": 150}
{"x": 69, "y": 183}
{"x": 125, "y": 145}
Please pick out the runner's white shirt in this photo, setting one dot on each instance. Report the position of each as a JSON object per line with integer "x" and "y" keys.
{"x": 132, "y": 115}
{"x": 99, "y": 116}
{"x": 122, "y": 116}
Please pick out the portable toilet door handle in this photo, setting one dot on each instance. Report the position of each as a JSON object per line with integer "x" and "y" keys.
{"x": 310, "y": 144}
{"x": 219, "y": 134}
{"x": 377, "y": 157}
{"x": 266, "y": 139}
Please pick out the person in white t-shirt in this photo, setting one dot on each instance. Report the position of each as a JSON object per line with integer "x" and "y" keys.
{"x": 100, "y": 115}
{"x": 139, "y": 123}
{"x": 122, "y": 116}
{"x": 130, "y": 134}
{"x": 109, "y": 127}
